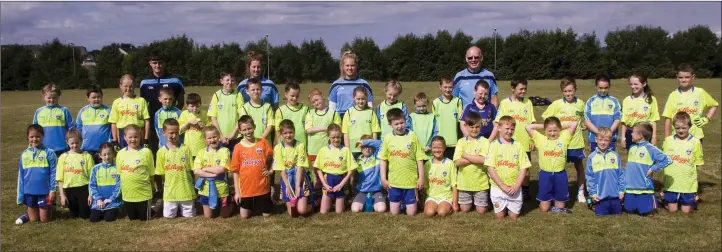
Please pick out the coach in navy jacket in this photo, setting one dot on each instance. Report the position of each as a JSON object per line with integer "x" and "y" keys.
{"x": 150, "y": 88}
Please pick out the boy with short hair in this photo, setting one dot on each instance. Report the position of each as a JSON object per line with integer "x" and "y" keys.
{"x": 447, "y": 112}
{"x": 136, "y": 170}
{"x": 605, "y": 176}
{"x": 294, "y": 111}
{"x": 403, "y": 157}
{"x": 392, "y": 90}
{"x": 251, "y": 164}
{"x": 690, "y": 99}
{"x": 92, "y": 122}
{"x": 224, "y": 110}
{"x": 129, "y": 109}
{"x": 472, "y": 180}
{"x": 508, "y": 165}
{"x": 644, "y": 158}
{"x": 680, "y": 178}
{"x": 167, "y": 111}
{"x": 191, "y": 121}
{"x": 423, "y": 123}
{"x": 174, "y": 163}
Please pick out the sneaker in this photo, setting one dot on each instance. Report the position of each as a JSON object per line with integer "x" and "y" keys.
{"x": 22, "y": 219}
{"x": 580, "y": 196}
{"x": 560, "y": 210}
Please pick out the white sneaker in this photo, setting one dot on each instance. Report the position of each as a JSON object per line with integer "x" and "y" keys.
{"x": 580, "y": 196}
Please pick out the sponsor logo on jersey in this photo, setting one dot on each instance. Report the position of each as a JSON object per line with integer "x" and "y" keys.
{"x": 400, "y": 154}
{"x": 679, "y": 159}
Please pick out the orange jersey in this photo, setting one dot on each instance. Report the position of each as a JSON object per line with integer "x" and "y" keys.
{"x": 249, "y": 162}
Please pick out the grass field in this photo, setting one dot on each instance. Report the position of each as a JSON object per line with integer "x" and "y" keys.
{"x": 533, "y": 231}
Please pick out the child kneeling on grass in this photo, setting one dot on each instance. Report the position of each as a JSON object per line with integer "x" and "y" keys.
{"x": 210, "y": 168}
{"x": 680, "y": 178}
{"x": 369, "y": 194}
{"x": 508, "y": 164}
{"x": 604, "y": 174}
{"x": 442, "y": 195}
{"x": 251, "y": 165}
{"x": 105, "y": 186}
{"x": 644, "y": 158}
{"x": 334, "y": 166}
{"x": 290, "y": 157}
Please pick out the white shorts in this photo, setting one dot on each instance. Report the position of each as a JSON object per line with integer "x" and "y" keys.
{"x": 437, "y": 201}
{"x": 501, "y": 200}
{"x": 170, "y": 208}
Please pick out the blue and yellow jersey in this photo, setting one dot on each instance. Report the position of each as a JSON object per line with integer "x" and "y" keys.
{"x": 568, "y": 112}
{"x": 604, "y": 173}
{"x": 384, "y": 107}
{"x": 105, "y": 184}
{"x": 269, "y": 92}
{"x": 36, "y": 172}
{"x": 636, "y": 110}
{"x": 56, "y": 121}
{"x": 93, "y": 124}
{"x": 643, "y": 157}
{"x": 136, "y": 174}
{"x": 340, "y": 95}
{"x": 693, "y": 102}
{"x": 160, "y": 116}
{"x": 686, "y": 155}
{"x": 602, "y": 111}
{"x": 129, "y": 110}
{"x": 465, "y": 81}
{"x": 73, "y": 169}
{"x": 369, "y": 169}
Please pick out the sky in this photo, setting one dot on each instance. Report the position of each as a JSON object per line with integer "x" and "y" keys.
{"x": 94, "y": 24}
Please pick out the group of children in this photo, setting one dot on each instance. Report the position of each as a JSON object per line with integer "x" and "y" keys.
{"x": 451, "y": 158}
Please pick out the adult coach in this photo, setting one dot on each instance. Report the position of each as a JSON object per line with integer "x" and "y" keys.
{"x": 340, "y": 96}
{"x": 466, "y": 79}
{"x": 254, "y": 68}
{"x": 150, "y": 88}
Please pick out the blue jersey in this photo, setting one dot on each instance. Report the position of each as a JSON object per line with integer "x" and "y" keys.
{"x": 488, "y": 114}
{"x": 269, "y": 94}
{"x": 93, "y": 124}
{"x": 150, "y": 91}
{"x": 605, "y": 176}
{"x": 160, "y": 116}
{"x": 105, "y": 184}
{"x": 56, "y": 121}
{"x": 369, "y": 169}
{"x": 36, "y": 172}
{"x": 340, "y": 95}
{"x": 602, "y": 111}
{"x": 643, "y": 156}
{"x": 465, "y": 81}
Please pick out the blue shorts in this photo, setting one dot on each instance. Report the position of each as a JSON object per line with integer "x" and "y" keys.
{"x": 628, "y": 138}
{"x": 121, "y": 138}
{"x": 643, "y": 203}
{"x": 608, "y": 206}
{"x": 575, "y": 155}
{"x": 334, "y": 180}
{"x": 221, "y": 201}
{"x": 612, "y": 146}
{"x": 35, "y": 201}
{"x": 305, "y": 185}
{"x": 685, "y": 199}
{"x": 553, "y": 186}
{"x": 398, "y": 195}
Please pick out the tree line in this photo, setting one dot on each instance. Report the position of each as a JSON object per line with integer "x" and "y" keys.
{"x": 541, "y": 54}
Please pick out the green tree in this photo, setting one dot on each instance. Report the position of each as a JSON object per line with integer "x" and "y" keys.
{"x": 109, "y": 66}
{"x": 371, "y": 65}
{"x": 640, "y": 49}
{"x": 17, "y": 66}
{"x": 316, "y": 62}
{"x": 697, "y": 45}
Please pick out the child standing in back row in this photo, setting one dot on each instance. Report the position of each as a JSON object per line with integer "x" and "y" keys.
{"x": 92, "y": 122}
{"x": 690, "y": 99}
{"x": 129, "y": 109}
{"x": 508, "y": 166}
{"x": 167, "y": 111}
{"x": 191, "y": 121}
{"x": 294, "y": 111}
{"x": 641, "y": 106}
{"x": 602, "y": 110}
{"x": 224, "y": 109}
{"x": 486, "y": 110}
{"x": 680, "y": 178}
{"x": 359, "y": 120}
{"x": 447, "y": 112}
{"x": 317, "y": 122}
{"x": 403, "y": 157}
{"x": 522, "y": 111}
{"x": 423, "y": 122}
{"x": 605, "y": 176}
{"x": 644, "y": 158}
{"x": 55, "y": 119}
{"x": 72, "y": 176}
{"x": 174, "y": 163}
{"x": 392, "y": 90}
{"x": 570, "y": 109}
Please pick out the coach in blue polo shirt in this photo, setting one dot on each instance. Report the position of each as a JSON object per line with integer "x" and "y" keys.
{"x": 466, "y": 79}
{"x": 150, "y": 88}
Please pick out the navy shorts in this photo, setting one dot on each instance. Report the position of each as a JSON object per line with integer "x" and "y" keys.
{"x": 643, "y": 203}
{"x": 121, "y": 138}
{"x": 612, "y": 146}
{"x": 398, "y": 195}
{"x": 334, "y": 180}
{"x": 305, "y": 185}
{"x": 575, "y": 155}
{"x": 608, "y": 206}
{"x": 628, "y": 138}
{"x": 34, "y": 200}
{"x": 221, "y": 201}
{"x": 553, "y": 186}
{"x": 685, "y": 199}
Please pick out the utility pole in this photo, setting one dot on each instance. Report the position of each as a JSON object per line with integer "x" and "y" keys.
{"x": 495, "y": 69}
{"x": 72, "y": 46}
{"x": 268, "y": 57}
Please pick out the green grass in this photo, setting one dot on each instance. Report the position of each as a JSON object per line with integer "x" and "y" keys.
{"x": 533, "y": 231}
